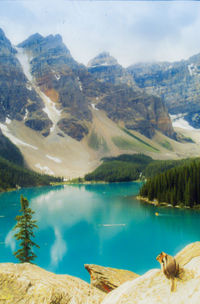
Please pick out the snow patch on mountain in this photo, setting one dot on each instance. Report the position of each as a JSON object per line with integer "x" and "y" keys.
{"x": 80, "y": 84}
{"x": 24, "y": 59}
{"x": 14, "y": 139}
{"x": 29, "y": 87}
{"x": 44, "y": 169}
{"x": 103, "y": 64}
{"x": 50, "y": 107}
{"x": 193, "y": 70}
{"x": 178, "y": 121}
{"x": 94, "y": 106}
{"x": 55, "y": 159}
{"x": 26, "y": 114}
{"x": 57, "y": 76}
{"x": 8, "y": 121}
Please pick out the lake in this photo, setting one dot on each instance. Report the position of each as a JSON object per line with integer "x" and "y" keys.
{"x": 96, "y": 224}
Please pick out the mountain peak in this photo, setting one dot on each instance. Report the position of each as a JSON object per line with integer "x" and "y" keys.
{"x": 33, "y": 39}
{"x": 5, "y": 44}
{"x": 39, "y": 44}
{"x": 53, "y": 38}
{"x": 103, "y": 59}
{"x": 1, "y": 33}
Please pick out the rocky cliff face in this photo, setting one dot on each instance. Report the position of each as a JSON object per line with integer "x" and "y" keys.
{"x": 54, "y": 91}
{"x": 105, "y": 68}
{"x": 177, "y": 83}
{"x": 126, "y": 103}
{"x": 83, "y": 111}
{"x": 137, "y": 111}
{"x": 56, "y": 74}
{"x": 17, "y": 100}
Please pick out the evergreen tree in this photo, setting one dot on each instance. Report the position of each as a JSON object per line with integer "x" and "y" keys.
{"x": 25, "y": 226}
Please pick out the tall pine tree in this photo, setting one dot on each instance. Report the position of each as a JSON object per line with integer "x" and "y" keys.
{"x": 25, "y": 226}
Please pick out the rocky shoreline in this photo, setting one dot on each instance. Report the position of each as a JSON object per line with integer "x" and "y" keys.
{"x": 164, "y": 204}
{"x": 27, "y": 283}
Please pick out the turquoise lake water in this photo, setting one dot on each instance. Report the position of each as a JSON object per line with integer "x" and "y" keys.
{"x": 97, "y": 224}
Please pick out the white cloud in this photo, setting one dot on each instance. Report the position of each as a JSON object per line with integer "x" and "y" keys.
{"x": 131, "y": 31}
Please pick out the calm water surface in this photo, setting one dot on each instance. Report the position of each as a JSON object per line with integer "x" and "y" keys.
{"x": 96, "y": 224}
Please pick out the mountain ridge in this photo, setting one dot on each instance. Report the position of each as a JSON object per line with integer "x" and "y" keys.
{"x": 75, "y": 117}
{"x": 49, "y": 53}
{"x": 177, "y": 83}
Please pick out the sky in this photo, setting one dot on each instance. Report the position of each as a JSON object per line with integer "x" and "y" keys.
{"x": 131, "y": 31}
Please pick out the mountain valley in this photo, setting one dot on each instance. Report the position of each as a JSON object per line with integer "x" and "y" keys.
{"x": 64, "y": 117}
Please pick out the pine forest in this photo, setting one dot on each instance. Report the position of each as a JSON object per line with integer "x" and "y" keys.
{"x": 177, "y": 186}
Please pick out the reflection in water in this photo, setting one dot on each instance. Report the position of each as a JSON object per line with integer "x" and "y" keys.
{"x": 10, "y": 240}
{"x": 58, "y": 249}
{"x": 63, "y": 208}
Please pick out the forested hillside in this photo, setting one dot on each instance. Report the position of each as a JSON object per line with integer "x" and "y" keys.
{"x": 9, "y": 151}
{"x": 121, "y": 168}
{"x": 177, "y": 186}
{"x": 131, "y": 167}
{"x": 12, "y": 170}
{"x": 12, "y": 176}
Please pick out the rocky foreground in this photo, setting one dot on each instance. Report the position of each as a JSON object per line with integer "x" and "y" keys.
{"x": 30, "y": 284}
{"x": 154, "y": 288}
{"x": 26, "y": 283}
{"x": 107, "y": 279}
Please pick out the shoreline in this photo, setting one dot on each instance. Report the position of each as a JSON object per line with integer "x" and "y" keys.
{"x": 164, "y": 204}
{"x": 83, "y": 182}
{"x": 69, "y": 182}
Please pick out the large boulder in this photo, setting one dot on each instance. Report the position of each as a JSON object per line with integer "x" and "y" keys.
{"x": 27, "y": 283}
{"x": 188, "y": 253}
{"x": 106, "y": 278}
